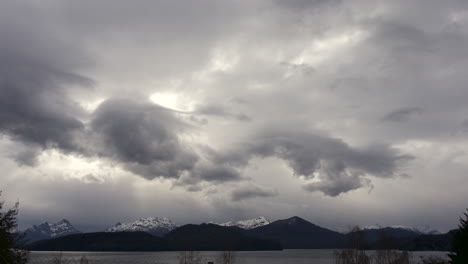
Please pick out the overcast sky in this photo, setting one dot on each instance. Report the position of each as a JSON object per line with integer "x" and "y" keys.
{"x": 341, "y": 112}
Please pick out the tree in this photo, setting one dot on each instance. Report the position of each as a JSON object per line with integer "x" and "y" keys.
{"x": 354, "y": 253}
{"x": 10, "y": 241}
{"x": 190, "y": 257}
{"x": 226, "y": 257}
{"x": 459, "y": 254}
{"x": 433, "y": 260}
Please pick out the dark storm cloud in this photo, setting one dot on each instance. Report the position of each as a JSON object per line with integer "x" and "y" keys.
{"x": 143, "y": 136}
{"x": 402, "y": 114}
{"x": 26, "y": 156}
{"x": 37, "y": 69}
{"x": 305, "y": 151}
{"x": 217, "y": 173}
{"x": 252, "y": 191}
{"x": 337, "y": 166}
{"x": 208, "y": 172}
{"x": 335, "y": 179}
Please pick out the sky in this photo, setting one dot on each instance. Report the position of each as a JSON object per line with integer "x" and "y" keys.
{"x": 341, "y": 112}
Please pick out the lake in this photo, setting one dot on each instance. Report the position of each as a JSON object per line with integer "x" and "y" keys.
{"x": 309, "y": 256}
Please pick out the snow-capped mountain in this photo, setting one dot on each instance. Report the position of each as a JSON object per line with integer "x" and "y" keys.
{"x": 47, "y": 230}
{"x": 153, "y": 225}
{"x": 424, "y": 230}
{"x": 247, "y": 224}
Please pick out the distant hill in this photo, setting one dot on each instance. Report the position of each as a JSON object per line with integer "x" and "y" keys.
{"x": 188, "y": 237}
{"x": 297, "y": 233}
{"x": 47, "y": 230}
{"x": 404, "y": 239}
{"x": 373, "y": 236}
{"x": 441, "y": 242}
{"x": 421, "y": 230}
{"x": 215, "y": 237}
{"x": 101, "y": 241}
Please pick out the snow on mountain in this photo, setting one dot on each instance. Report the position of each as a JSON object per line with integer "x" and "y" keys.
{"x": 50, "y": 230}
{"x": 247, "y": 224}
{"x": 425, "y": 230}
{"x": 153, "y": 225}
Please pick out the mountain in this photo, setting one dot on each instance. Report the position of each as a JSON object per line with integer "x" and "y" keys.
{"x": 102, "y": 241}
{"x": 400, "y": 237}
{"x": 47, "y": 230}
{"x": 438, "y": 242}
{"x": 422, "y": 230}
{"x": 375, "y": 237}
{"x": 188, "y": 237}
{"x": 298, "y": 233}
{"x": 247, "y": 224}
{"x": 153, "y": 225}
{"x": 215, "y": 237}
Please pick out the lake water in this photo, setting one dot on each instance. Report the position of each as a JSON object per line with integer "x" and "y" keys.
{"x": 309, "y": 256}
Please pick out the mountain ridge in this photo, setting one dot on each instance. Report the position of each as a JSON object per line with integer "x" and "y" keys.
{"x": 247, "y": 224}
{"x": 47, "y": 230}
{"x": 153, "y": 225}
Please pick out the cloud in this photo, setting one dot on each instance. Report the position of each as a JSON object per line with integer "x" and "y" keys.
{"x": 340, "y": 95}
{"x": 26, "y": 155}
{"x": 221, "y": 111}
{"x": 216, "y": 173}
{"x": 37, "y": 70}
{"x": 402, "y": 114}
{"x": 144, "y": 137}
{"x": 90, "y": 178}
{"x": 335, "y": 178}
{"x": 252, "y": 191}
{"x": 334, "y": 166}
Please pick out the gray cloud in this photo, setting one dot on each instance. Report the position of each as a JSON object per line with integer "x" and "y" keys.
{"x": 37, "y": 70}
{"x": 335, "y": 179}
{"x": 384, "y": 82}
{"x": 26, "y": 155}
{"x": 252, "y": 191}
{"x": 402, "y": 114}
{"x": 34, "y": 106}
{"x": 144, "y": 137}
{"x": 221, "y": 111}
{"x": 216, "y": 173}
{"x": 90, "y": 178}
{"x": 340, "y": 168}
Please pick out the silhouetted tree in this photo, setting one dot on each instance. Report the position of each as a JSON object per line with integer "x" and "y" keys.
{"x": 385, "y": 254}
{"x": 459, "y": 255}
{"x": 190, "y": 257}
{"x": 84, "y": 260}
{"x": 354, "y": 253}
{"x": 59, "y": 259}
{"x": 226, "y": 257}
{"x": 10, "y": 240}
{"x": 433, "y": 260}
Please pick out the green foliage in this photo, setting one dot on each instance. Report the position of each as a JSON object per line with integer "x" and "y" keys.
{"x": 459, "y": 255}
{"x": 10, "y": 240}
